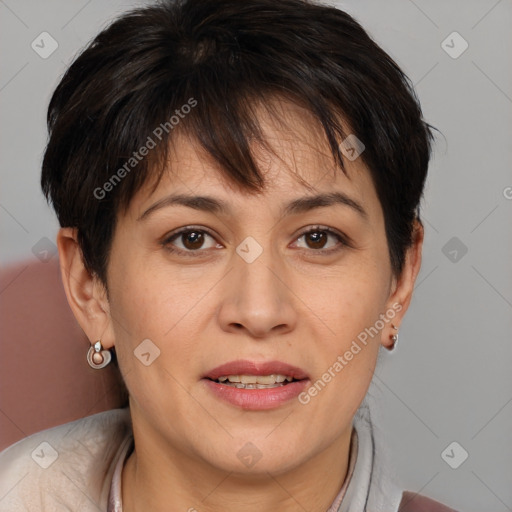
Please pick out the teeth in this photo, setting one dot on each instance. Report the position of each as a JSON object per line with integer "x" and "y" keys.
{"x": 250, "y": 379}
{"x": 255, "y": 379}
{"x": 253, "y": 386}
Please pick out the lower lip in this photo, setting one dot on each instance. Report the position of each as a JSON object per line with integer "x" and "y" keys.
{"x": 257, "y": 399}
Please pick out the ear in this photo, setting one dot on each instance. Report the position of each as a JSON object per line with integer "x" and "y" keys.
{"x": 403, "y": 286}
{"x": 86, "y": 294}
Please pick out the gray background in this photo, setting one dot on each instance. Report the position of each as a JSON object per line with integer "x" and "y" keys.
{"x": 450, "y": 378}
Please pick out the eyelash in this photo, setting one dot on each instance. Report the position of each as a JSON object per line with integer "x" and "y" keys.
{"x": 343, "y": 240}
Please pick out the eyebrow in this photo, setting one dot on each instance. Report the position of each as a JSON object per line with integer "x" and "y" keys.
{"x": 217, "y": 206}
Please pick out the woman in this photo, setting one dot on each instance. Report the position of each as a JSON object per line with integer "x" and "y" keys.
{"x": 238, "y": 187}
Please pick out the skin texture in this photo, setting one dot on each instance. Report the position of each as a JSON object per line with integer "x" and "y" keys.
{"x": 293, "y": 304}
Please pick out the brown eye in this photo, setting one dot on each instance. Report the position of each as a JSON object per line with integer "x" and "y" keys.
{"x": 192, "y": 240}
{"x": 321, "y": 240}
{"x": 316, "y": 239}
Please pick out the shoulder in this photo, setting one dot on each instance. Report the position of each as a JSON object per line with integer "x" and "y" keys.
{"x": 412, "y": 502}
{"x": 73, "y": 463}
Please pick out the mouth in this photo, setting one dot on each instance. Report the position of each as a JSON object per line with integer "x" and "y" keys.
{"x": 264, "y": 373}
{"x": 255, "y": 381}
{"x": 256, "y": 385}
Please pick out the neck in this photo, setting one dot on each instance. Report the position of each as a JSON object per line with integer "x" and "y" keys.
{"x": 162, "y": 480}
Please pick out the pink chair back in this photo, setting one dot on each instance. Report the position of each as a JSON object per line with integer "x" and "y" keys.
{"x": 45, "y": 380}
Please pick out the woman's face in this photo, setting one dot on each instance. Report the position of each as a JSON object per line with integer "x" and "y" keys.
{"x": 280, "y": 282}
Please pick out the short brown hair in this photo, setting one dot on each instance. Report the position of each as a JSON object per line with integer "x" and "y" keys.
{"x": 218, "y": 57}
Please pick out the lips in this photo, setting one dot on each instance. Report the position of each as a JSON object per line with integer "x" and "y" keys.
{"x": 246, "y": 367}
{"x": 255, "y": 397}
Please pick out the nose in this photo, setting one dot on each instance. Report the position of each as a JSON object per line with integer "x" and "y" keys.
{"x": 257, "y": 299}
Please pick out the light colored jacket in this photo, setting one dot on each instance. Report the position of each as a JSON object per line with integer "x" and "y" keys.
{"x": 70, "y": 468}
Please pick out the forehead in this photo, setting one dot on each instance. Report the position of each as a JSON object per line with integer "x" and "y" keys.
{"x": 293, "y": 157}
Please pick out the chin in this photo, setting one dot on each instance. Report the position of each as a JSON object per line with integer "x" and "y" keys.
{"x": 259, "y": 456}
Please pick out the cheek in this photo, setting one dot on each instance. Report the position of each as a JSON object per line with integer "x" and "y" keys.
{"x": 158, "y": 313}
{"x": 151, "y": 298}
{"x": 350, "y": 301}
{"x": 349, "y": 306}
{"x": 346, "y": 345}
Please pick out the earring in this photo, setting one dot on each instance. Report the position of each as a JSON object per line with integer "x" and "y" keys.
{"x": 394, "y": 339}
{"x": 97, "y": 357}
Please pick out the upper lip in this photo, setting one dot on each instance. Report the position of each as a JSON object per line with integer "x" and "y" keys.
{"x": 246, "y": 367}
